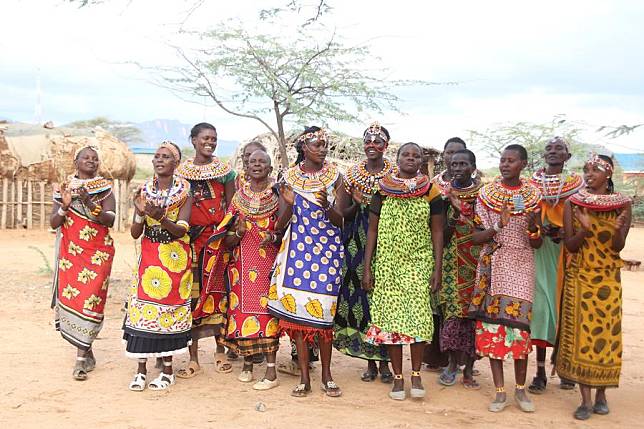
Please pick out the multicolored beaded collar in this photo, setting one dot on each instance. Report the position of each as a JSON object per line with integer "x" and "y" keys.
{"x": 302, "y": 181}
{"x": 553, "y": 188}
{"x": 600, "y": 202}
{"x": 393, "y": 186}
{"x": 255, "y": 205}
{"x": 468, "y": 193}
{"x": 170, "y": 198}
{"x": 496, "y": 195}
{"x": 367, "y": 183}
{"x": 191, "y": 171}
{"x": 441, "y": 182}
{"x": 95, "y": 185}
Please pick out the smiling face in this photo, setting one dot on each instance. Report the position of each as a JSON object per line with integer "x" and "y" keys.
{"x": 409, "y": 160}
{"x": 259, "y": 166}
{"x": 462, "y": 168}
{"x": 315, "y": 150}
{"x": 595, "y": 177}
{"x": 449, "y": 151}
{"x": 511, "y": 164}
{"x": 374, "y": 147}
{"x": 164, "y": 162}
{"x": 205, "y": 142}
{"x": 87, "y": 162}
{"x": 556, "y": 153}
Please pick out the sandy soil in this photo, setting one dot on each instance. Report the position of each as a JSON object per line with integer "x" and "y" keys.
{"x": 38, "y": 390}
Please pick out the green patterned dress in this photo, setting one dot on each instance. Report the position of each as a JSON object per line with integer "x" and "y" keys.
{"x": 401, "y": 310}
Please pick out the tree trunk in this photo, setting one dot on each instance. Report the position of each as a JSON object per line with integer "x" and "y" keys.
{"x": 280, "y": 133}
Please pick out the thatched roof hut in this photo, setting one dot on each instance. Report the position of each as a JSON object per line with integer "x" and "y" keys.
{"x": 343, "y": 150}
{"x": 46, "y": 153}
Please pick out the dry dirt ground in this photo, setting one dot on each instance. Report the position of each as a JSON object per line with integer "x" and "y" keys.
{"x": 37, "y": 389}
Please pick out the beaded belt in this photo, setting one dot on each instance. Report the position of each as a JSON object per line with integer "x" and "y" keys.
{"x": 156, "y": 234}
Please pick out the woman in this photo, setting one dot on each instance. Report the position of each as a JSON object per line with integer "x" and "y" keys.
{"x": 401, "y": 243}
{"x": 246, "y": 152}
{"x": 596, "y": 222}
{"x": 212, "y": 185}
{"x": 83, "y": 211}
{"x": 353, "y": 319}
{"x": 248, "y": 230}
{"x": 158, "y": 319}
{"x": 556, "y": 185}
{"x": 434, "y": 357}
{"x": 460, "y": 258}
{"x": 308, "y": 268}
{"x": 507, "y": 222}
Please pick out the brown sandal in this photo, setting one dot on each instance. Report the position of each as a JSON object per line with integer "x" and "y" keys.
{"x": 300, "y": 391}
{"x": 193, "y": 369}
{"x": 222, "y": 365}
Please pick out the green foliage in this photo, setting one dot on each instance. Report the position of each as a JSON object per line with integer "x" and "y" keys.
{"x": 46, "y": 268}
{"x": 532, "y": 136}
{"x": 621, "y": 130}
{"x": 123, "y": 131}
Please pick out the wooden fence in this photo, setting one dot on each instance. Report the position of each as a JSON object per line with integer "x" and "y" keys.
{"x": 28, "y": 204}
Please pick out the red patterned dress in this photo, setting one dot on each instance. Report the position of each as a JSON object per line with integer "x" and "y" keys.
{"x": 84, "y": 256}
{"x": 207, "y": 186}
{"x": 505, "y": 278}
{"x": 250, "y": 327}
{"x": 158, "y": 319}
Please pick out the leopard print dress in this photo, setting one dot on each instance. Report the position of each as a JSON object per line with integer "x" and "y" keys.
{"x": 590, "y": 347}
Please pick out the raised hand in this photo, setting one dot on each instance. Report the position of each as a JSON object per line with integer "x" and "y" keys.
{"x": 584, "y": 219}
{"x": 322, "y": 198}
{"x": 240, "y": 226}
{"x": 623, "y": 219}
{"x": 534, "y": 219}
{"x": 139, "y": 201}
{"x": 286, "y": 191}
{"x": 154, "y": 211}
{"x": 66, "y": 196}
{"x": 84, "y": 196}
{"x": 356, "y": 195}
{"x": 454, "y": 201}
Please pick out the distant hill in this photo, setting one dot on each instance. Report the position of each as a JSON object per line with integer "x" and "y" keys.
{"x": 155, "y": 131}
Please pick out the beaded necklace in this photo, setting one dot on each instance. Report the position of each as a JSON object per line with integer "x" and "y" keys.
{"x": 496, "y": 195}
{"x": 213, "y": 170}
{"x": 94, "y": 185}
{"x": 442, "y": 183}
{"x": 303, "y": 181}
{"x": 366, "y": 183}
{"x": 600, "y": 202}
{"x": 393, "y": 186}
{"x": 467, "y": 193}
{"x": 256, "y": 204}
{"x": 553, "y": 188}
{"x": 170, "y": 198}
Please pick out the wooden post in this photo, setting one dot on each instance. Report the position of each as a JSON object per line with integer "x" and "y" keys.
{"x": 13, "y": 205}
{"x": 125, "y": 201}
{"x": 19, "y": 202}
{"x": 5, "y": 202}
{"x": 43, "y": 215}
{"x": 117, "y": 197}
{"x": 30, "y": 209}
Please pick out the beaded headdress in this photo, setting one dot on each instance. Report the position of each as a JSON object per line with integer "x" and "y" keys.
{"x": 602, "y": 164}
{"x": 313, "y": 136}
{"x": 375, "y": 130}
{"x": 167, "y": 144}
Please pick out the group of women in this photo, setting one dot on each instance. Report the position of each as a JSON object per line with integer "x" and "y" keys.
{"x": 367, "y": 261}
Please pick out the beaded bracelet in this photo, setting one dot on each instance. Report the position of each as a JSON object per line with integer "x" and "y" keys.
{"x": 138, "y": 218}
{"x": 96, "y": 212}
{"x": 62, "y": 212}
{"x": 534, "y": 235}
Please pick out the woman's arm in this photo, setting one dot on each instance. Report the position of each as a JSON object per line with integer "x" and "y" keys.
{"x": 178, "y": 229}
{"x": 437, "y": 221}
{"x": 622, "y": 226}
{"x": 108, "y": 211}
{"x": 336, "y": 211}
{"x": 572, "y": 239}
{"x": 369, "y": 249}
{"x": 285, "y": 211}
{"x": 229, "y": 191}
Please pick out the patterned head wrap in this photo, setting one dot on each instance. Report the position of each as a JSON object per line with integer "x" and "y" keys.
{"x": 601, "y": 164}
{"x": 167, "y": 144}
{"x": 314, "y": 136}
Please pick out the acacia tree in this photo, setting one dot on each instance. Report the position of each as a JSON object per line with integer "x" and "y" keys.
{"x": 273, "y": 79}
{"x": 532, "y": 136}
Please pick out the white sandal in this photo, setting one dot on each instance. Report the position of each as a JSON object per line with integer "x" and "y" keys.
{"x": 245, "y": 376}
{"x": 138, "y": 382}
{"x": 162, "y": 382}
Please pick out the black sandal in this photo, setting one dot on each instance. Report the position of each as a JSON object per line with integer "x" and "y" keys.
{"x": 583, "y": 413}
{"x": 566, "y": 384}
{"x": 369, "y": 375}
{"x": 538, "y": 386}
{"x": 386, "y": 377}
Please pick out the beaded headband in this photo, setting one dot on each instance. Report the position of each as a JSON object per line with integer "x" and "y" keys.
{"x": 167, "y": 144}
{"x": 602, "y": 164}
{"x": 374, "y": 130}
{"x": 87, "y": 146}
{"x": 313, "y": 136}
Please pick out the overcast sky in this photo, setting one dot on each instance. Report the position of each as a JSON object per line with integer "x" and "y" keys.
{"x": 516, "y": 61}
